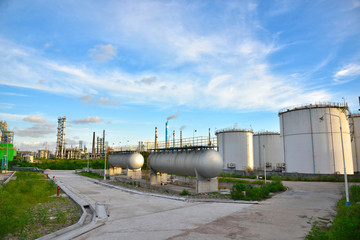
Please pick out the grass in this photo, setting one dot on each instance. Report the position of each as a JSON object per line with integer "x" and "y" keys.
{"x": 304, "y": 179}
{"x": 61, "y": 164}
{"x": 346, "y": 224}
{"x": 92, "y": 175}
{"x": 236, "y": 180}
{"x": 249, "y": 192}
{"x": 184, "y": 192}
{"x": 26, "y": 206}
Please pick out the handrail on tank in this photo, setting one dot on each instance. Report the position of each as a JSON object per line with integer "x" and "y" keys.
{"x": 224, "y": 130}
{"x": 182, "y": 149}
{"x": 315, "y": 105}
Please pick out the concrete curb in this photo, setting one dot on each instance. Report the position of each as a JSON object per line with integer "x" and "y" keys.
{"x": 173, "y": 197}
{"x": 81, "y": 226}
{"x": 9, "y": 178}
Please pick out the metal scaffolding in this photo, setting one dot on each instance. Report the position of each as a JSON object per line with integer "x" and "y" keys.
{"x": 60, "y": 143}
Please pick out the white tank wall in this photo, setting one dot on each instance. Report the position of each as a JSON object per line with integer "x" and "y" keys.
{"x": 272, "y": 149}
{"x": 355, "y": 141}
{"x": 236, "y": 147}
{"x": 316, "y": 150}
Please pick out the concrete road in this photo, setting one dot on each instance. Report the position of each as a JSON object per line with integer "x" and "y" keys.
{"x": 134, "y": 216}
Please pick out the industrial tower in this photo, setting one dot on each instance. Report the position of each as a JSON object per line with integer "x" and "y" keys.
{"x": 60, "y": 143}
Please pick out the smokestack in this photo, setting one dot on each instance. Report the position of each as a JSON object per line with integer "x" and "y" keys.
{"x": 103, "y": 144}
{"x": 166, "y": 134}
{"x": 156, "y": 138}
{"x": 180, "y": 138}
{"x": 97, "y": 144}
{"x": 209, "y": 137}
{"x": 93, "y": 145}
{"x": 174, "y": 139}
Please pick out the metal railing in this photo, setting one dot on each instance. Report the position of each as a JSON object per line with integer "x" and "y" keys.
{"x": 185, "y": 142}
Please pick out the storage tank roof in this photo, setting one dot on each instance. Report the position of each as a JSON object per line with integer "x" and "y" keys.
{"x": 266, "y": 133}
{"x": 229, "y": 130}
{"x": 316, "y": 105}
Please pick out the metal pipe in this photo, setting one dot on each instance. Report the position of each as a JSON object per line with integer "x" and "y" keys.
{"x": 347, "y": 203}
{"x": 180, "y": 138}
{"x": 173, "y": 138}
{"x": 312, "y": 140}
{"x": 166, "y": 134}
{"x": 155, "y": 138}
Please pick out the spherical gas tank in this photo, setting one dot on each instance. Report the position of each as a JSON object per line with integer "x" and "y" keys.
{"x": 203, "y": 164}
{"x": 130, "y": 160}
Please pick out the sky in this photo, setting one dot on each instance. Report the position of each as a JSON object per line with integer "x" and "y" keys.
{"x": 126, "y": 66}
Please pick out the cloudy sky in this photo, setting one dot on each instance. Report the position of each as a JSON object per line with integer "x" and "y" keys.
{"x": 125, "y": 66}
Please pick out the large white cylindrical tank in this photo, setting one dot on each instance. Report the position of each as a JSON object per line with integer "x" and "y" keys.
{"x": 267, "y": 148}
{"x": 203, "y": 164}
{"x": 129, "y": 160}
{"x": 236, "y": 148}
{"x": 311, "y": 139}
{"x": 355, "y": 140}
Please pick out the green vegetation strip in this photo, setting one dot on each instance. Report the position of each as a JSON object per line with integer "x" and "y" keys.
{"x": 235, "y": 180}
{"x": 92, "y": 175}
{"x": 251, "y": 193}
{"x": 346, "y": 224}
{"x": 61, "y": 164}
{"x": 305, "y": 179}
{"x": 28, "y": 210}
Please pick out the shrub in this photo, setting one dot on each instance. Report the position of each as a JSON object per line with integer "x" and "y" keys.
{"x": 184, "y": 192}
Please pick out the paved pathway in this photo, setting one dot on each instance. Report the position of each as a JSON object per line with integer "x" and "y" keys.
{"x": 134, "y": 216}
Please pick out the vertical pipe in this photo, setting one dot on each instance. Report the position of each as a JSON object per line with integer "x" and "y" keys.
{"x": 174, "y": 139}
{"x": 332, "y": 142}
{"x": 155, "y": 138}
{"x": 180, "y": 138}
{"x": 312, "y": 140}
{"x": 209, "y": 137}
{"x": 103, "y": 142}
{"x": 93, "y": 145}
{"x": 166, "y": 134}
{"x": 283, "y": 131}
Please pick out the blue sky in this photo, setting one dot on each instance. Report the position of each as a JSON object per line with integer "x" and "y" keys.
{"x": 125, "y": 66}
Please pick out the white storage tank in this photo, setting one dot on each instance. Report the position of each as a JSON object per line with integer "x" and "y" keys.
{"x": 311, "y": 139}
{"x": 355, "y": 140}
{"x": 126, "y": 159}
{"x": 236, "y": 148}
{"x": 199, "y": 163}
{"x": 267, "y": 148}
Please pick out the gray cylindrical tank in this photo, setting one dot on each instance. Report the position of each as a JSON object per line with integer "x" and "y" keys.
{"x": 129, "y": 160}
{"x": 203, "y": 164}
{"x": 311, "y": 139}
{"x": 236, "y": 148}
{"x": 355, "y": 140}
{"x": 267, "y": 148}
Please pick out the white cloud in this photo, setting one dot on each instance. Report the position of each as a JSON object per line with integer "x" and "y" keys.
{"x": 195, "y": 66}
{"x": 86, "y": 98}
{"x": 103, "y": 53}
{"x": 35, "y": 119}
{"x": 347, "y": 73}
{"x": 6, "y": 116}
{"x": 87, "y": 120}
{"x": 37, "y": 131}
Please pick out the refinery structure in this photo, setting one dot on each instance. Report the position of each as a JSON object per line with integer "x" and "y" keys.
{"x": 313, "y": 139}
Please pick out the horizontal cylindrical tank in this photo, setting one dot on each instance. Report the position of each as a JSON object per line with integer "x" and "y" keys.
{"x": 202, "y": 164}
{"x": 267, "y": 149}
{"x": 311, "y": 139}
{"x": 355, "y": 140}
{"x": 129, "y": 160}
{"x": 236, "y": 148}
